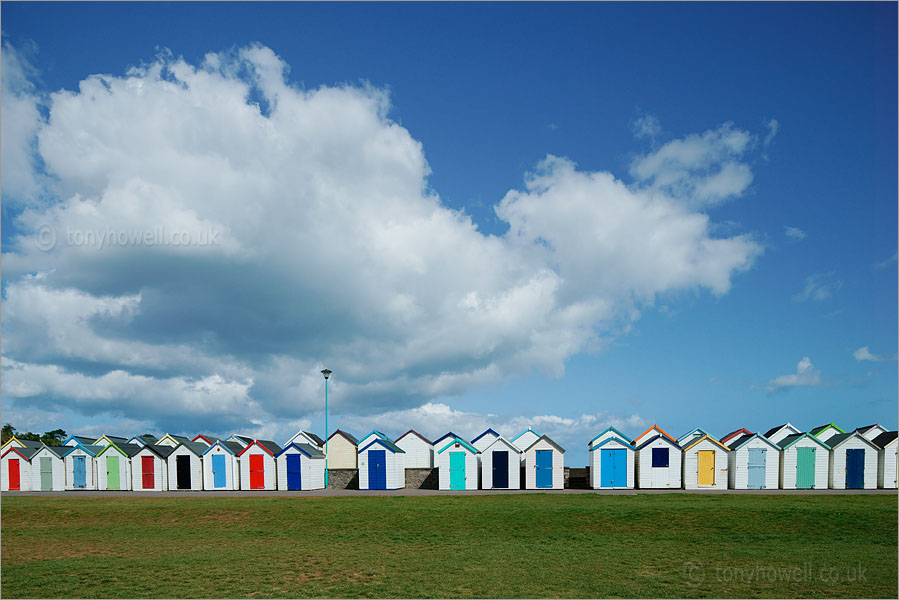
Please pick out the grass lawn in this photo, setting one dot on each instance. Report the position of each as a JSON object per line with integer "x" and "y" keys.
{"x": 672, "y": 545}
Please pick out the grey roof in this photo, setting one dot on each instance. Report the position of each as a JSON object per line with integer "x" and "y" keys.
{"x": 307, "y": 448}
{"x": 738, "y": 441}
{"x": 58, "y": 450}
{"x": 315, "y": 438}
{"x": 89, "y": 448}
{"x": 234, "y": 447}
{"x": 866, "y": 427}
{"x": 244, "y": 438}
{"x": 839, "y": 438}
{"x": 115, "y": 439}
{"x": 178, "y": 438}
{"x": 162, "y": 451}
{"x": 655, "y": 437}
{"x": 212, "y": 439}
{"x": 31, "y": 443}
{"x": 27, "y": 451}
{"x": 270, "y": 446}
{"x": 197, "y": 448}
{"x": 884, "y": 438}
{"x": 745, "y": 438}
{"x": 387, "y": 443}
{"x": 83, "y": 439}
{"x": 129, "y": 449}
{"x": 551, "y": 443}
{"x": 788, "y": 441}
{"x": 774, "y": 430}
{"x": 347, "y": 435}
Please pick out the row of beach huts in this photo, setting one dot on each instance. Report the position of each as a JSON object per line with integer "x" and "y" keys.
{"x": 782, "y": 458}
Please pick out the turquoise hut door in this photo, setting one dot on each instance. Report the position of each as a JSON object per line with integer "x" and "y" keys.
{"x": 756, "y": 469}
{"x": 457, "y": 470}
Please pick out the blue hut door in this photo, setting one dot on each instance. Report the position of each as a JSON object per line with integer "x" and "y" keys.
{"x": 79, "y": 473}
{"x": 294, "y": 478}
{"x": 457, "y": 470}
{"x": 377, "y": 469}
{"x": 501, "y": 468}
{"x": 544, "y": 463}
{"x": 219, "y": 477}
{"x": 756, "y": 469}
{"x": 613, "y": 467}
{"x": 855, "y": 468}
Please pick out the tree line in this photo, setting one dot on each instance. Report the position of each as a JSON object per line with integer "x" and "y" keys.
{"x": 51, "y": 438}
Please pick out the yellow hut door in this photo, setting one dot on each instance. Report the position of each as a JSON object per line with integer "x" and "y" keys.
{"x": 706, "y": 467}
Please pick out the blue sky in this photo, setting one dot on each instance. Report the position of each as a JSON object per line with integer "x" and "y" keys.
{"x": 563, "y": 216}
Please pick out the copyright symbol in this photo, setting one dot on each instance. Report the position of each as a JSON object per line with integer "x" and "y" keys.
{"x": 45, "y": 238}
{"x": 693, "y": 573}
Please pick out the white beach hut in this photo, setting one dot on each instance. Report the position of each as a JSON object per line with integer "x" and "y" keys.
{"x": 419, "y": 450}
{"x": 804, "y": 462}
{"x": 853, "y": 462}
{"x": 544, "y": 465}
{"x": 871, "y": 431}
{"x": 81, "y": 466}
{"x": 221, "y": 470}
{"x": 612, "y": 461}
{"x": 776, "y": 434}
{"x": 500, "y": 465}
{"x": 114, "y": 466}
{"x": 149, "y": 468}
{"x": 705, "y": 464}
{"x": 457, "y": 464}
{"x": 382, "y": 465}
{"x": 305, "y": 437}
{"x": 48, "y": 469}
{"x": 753, "y": 463}
{"x": 185, "y": 466}
{"x": 887, "y": 460}
{"x": 658, "y": 460}
{"x": 523, "y": 440}
{"x": 258, "y": 469}
{"x": 300, "y": 467}
{"x": 15, "y": 468}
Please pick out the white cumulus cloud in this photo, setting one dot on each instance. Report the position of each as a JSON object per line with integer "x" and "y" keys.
{"x": 806, "y": 375}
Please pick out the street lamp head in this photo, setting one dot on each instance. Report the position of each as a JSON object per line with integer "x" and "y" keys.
{"x": 326, "y": 373}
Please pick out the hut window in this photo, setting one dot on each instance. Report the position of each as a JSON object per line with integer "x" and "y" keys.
{"x": 660, "y": 457}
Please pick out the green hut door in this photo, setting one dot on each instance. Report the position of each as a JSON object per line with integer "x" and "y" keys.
{"x": 805, "y": 468}
{"x": 112, "y": 473}
{"x": 46, "y": 474}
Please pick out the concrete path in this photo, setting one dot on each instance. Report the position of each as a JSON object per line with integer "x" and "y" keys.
{"x": 404, "y": 492}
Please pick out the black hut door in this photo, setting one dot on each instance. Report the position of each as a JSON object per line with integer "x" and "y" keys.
{"x": 183, "y": 465}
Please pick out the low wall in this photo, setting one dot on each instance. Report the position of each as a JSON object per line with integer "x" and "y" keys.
{"x": 422, "y": 479}
{"x": 343, "y": 479}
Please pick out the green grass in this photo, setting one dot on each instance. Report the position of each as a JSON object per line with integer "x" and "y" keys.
{"x": 529, "y": 545}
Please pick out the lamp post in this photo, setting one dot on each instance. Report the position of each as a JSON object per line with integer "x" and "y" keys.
{"x": 326, "y": 373}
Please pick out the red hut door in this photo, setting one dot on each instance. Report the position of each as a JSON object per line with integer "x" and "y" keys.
{"x": 257, "y": 472}
{"x": 14, "y": 479}
{"x": 149, "y": 480}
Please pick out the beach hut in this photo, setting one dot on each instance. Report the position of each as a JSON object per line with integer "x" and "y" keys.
{"x": 658, "y": 460}
{"x": 734, "y": 435}
{"x": 74, "y": 440}
{"x": 776, "y": 434}
{"x": 753, "y": 463}
{"x": 105, "y": 440}
{"x": 300, "y": 466}
{"x": 804, "y": 462}
{"x": 853, "y": 462}
{"x": 114, "y": 466}
{"x": 243, "y": 440}
{"x": 206, "y": 440}
{"x": 457, "y": 465}
{"x": 258, "y": 469}
{"x": 500, "y": 465}
{"x": 369, "y": 437}
{"x": 419, "y": 450}
{"x": 305, "y": 437}
{"x": 693, "y": 434}
{"x": 382, "y": 465}
{"x": 612, "y": 460}
{"x": 887, "y": 474}
{"x": 185, "y": 466}
{"x": 544, "y": 465}
{"x": 825, "y": 432}
{"x": 171, "y": 440}
{"x": 15, "y": 468}
{"x": 869, "y": 432}
{"x": 149, "y": 468}
{"x": 705, "y": 464}
{"x": 81, "y": 466}
{"x": 523, "y": 440}
{"x": 221, "y": 470}
{"x": 341, "y": 449}
{"x": 48, "y": 470}
{"x": 482, "y": 441}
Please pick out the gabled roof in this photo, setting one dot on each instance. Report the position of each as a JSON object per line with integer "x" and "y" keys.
{"x": 774, "y": 430}
{"x": 267, "y": 445}
{"x": 110, "y": 439}
{"x": 822, "y": 428}
{"x": 89, "y": 448}
{"x": 792, "y": 439}
{"x": 137, "y": 440}
{"x": 884, "y": 438}
{"x": 660, "y": 432}
{"x": 243, "y": 440}
{"x": 495, "y": 434}
{"x": 840, "y": 438}
{"x": 81, "y": 439}
{"x": 546, "y": 438}
{"x": 413, "y": 432}
{"x": 233, "y": 448}
{"x": 310, "y": 438}
{"x": 127, "y": 450}
{"x": 666, "y": 438}
{"x": 177, "y": 439}
{"x": 197, "y": 448}
{"x": 26, "y": 452}
{"x": 620, "y": 435}
{"x": 24, "y": 443}
{"x": 315, "y": 438}
{"x": 503, "y": 441}
{"x": 377, "y": 433}
{"x": 609, "y": 440}
{"x": 307, "y": 449}
{"x": 346, "y": 435}
{"x": 864, "y": 429}
{"x": 735, "y": 434}
{"x": 210, "y": 439}
{"x": 698, "y": 430}
{"x": 160, "y": 450}
{"x": 524, "y": 432}
{"x": 386, "y": 443}
{"x": 739, "y": 442}
{"x": 461, "y": 442}
{"x": 706, "y": 437}
{"x": 58, "y": 451}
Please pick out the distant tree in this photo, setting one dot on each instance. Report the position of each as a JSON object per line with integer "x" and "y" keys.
{"x": 8, "y": 432}
{"x": 54, "y": 438}
{"x": 29, "y": 436}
